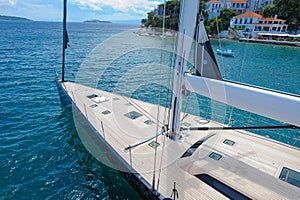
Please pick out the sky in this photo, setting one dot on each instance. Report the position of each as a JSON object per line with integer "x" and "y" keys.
{"x": 79, "y": 10}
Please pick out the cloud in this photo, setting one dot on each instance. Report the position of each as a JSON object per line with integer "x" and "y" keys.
{"x": 136, "y": 7}
{"x": 8, "y": 2}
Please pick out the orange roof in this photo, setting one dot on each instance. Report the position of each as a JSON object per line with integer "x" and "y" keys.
{"x": 249, "y": 14}
{"x": 274, "y": 19}
{"x": 237, "y": 1}
{"x": 214, "y": 1}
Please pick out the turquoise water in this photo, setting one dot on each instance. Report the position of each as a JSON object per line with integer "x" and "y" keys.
{"x": 41, "y": 156}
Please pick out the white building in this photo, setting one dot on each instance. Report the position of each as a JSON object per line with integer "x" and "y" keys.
{"x": 250, "y": 24}
{"x": 257, "y": 5}
{"x": 238, "y": 5}
{"x": 214, "y": 8}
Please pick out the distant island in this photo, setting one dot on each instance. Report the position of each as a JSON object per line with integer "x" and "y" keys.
{"x": 96, "y": 21}
{"x": 13, "y": 18}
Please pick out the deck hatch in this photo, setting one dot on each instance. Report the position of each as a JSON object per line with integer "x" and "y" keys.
{"x": 93, "y": 105}
{"x": 290, "y": 176}
{"x": 133, "y": 115}
{"x": 229, "y": 142}
{"x": 154, "y": 144}
{"x": 106, "y": 112}
{"x": 148, "y": 122}
{"x": 215, "y": 156}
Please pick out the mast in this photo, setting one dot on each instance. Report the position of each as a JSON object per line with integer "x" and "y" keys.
{"x": 188, "y": 15}
{"x": 65, "y": 40}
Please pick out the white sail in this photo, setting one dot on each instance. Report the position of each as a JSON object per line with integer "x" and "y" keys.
{"x": 188, "y": 16}
{"x": 275, "y": 105}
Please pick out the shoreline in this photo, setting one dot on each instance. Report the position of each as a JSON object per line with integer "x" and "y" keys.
{"x": 171, "y": 33}
{"x": 277, "y": 42}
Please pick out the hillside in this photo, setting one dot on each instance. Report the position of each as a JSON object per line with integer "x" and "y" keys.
{"x": 12, "y": 18}
{"x": 96, "y": 21}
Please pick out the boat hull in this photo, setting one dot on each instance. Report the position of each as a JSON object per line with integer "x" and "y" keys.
{"x": 225, "y": 53}
{"x": 99, "y": 148}
{"x": 122, "y": 132}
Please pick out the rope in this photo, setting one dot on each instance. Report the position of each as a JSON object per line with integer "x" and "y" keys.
{"x": 159, "y": 89}
{"x": 166, "y": 118}
{"x": 222, "y": 57}
{"x": 244, "y": 58}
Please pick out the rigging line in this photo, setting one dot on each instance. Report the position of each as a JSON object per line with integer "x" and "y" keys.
{"x": 170, "y": 80}
{"x": 167, "y": 108}
{"x": 239, "y": 128}
{"x": 296, "y": 140}
{"x": 172, "y": 61}
{"x": 65, "y": 39}
{"x": 161, "y": 161}
{"x": 162, "y": 131}
{"x": 244, "y": 58}
{"x": 222, "y": 57}
{"x": 159, "y": 89}
{"x": 249, "y": 118}
{"x": 230, "y": 120}
{"x": 185, "y": 109}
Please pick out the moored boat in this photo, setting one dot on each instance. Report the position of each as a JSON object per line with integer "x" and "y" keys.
{"x": 227, "y": 52}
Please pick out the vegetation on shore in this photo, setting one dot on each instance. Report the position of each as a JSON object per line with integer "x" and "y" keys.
{"x": 288, "y": 10}
{"x": 12, "y": 18}
{"x": 221, "y": 23}
{"x": 96, "y": 21}
{"x": 172, "y": 16}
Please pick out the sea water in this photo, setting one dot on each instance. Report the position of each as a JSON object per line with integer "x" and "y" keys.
{"x": 41, "y": 155}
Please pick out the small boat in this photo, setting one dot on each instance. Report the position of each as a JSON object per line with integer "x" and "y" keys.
{"x": 227, "y": 52}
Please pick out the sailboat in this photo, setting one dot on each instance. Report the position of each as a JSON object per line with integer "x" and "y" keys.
{"x": 190, "y": 157}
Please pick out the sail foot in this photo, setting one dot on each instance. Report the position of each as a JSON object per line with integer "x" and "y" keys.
{"x": 268, "y": 103}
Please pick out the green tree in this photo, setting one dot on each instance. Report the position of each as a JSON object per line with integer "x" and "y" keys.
{"x": 290, "y": 11}
{"x": 172, "y": 13}
{"x": 226, "y": 16}
{"x": 220, "y": 23}
{"x": 212, "y": 25}
{"x": 269, "y": 11}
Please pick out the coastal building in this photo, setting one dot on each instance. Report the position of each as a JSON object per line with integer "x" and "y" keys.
{"x": 238, "y": 5}
{"x": 250, "y": 24}
{"x": 257, "y": 5}
{"x": 271, "y": 25}
{"x": 214, "y": 8}
{"x": 159, "y": 11}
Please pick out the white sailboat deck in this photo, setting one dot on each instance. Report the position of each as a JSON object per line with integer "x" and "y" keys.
{"x": 250, "y": 166}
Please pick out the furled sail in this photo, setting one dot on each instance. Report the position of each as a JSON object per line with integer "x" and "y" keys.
{"x": 205, "y": 61}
